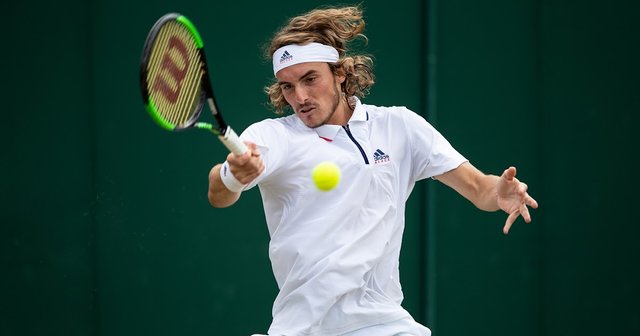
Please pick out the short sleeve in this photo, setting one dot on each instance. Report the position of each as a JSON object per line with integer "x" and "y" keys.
{"x": 431, "y": 153}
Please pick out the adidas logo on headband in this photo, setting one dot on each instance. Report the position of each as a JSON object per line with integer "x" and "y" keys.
{"x": 286, "y": 56}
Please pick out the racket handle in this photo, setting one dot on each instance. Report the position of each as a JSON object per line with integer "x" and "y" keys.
{"x": 231, "y": 140}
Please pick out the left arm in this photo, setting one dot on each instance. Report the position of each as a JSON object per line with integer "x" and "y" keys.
{"x": 490, "y": 192}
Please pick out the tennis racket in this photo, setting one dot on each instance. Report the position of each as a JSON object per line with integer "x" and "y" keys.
{"x": 174, "y": 80}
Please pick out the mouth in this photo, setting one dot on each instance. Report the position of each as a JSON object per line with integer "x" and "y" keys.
{"x": 306, "y": 109}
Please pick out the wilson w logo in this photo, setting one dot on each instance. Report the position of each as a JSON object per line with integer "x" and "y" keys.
{"x": 174, "y": 65}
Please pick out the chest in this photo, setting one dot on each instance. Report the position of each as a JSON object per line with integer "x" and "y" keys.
{"x": 365, "y": 144}
{"x": 357, "y": 149}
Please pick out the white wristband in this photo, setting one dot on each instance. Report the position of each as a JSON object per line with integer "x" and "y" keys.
{"x": 230, "y": 181}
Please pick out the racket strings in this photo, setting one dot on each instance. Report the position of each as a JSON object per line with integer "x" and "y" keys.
{"x": 175, "y": 74}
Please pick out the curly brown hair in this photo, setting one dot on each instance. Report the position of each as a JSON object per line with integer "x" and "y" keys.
{"x": 335, "y": 27}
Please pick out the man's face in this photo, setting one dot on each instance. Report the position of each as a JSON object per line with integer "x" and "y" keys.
{"x": 313, "y": 92}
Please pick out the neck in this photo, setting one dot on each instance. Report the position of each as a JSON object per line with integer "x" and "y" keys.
{"x": 344, "y": 110}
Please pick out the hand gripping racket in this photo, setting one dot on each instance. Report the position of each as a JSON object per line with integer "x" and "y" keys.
{"x": 174, "y": 79}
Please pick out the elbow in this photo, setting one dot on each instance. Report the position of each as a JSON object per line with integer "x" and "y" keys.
{"x": 214, "y": 193}
{"x": 222, "y": 200}
{"x": 212, "y": 200}
{"x": 216, "y": 202}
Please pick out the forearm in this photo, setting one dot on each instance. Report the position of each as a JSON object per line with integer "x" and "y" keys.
{"x": 219, "y": 196}
{"x": 474, "y": 185}
{"x": 485, "y": 196}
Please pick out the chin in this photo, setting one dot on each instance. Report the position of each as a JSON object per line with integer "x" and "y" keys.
{"x": 313, "y": 125}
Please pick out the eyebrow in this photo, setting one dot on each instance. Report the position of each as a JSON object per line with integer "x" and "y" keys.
{"x": 307, "y": 74}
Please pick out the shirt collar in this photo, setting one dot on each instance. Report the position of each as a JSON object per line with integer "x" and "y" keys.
{"x": 359, "y": 112}
{"x": 329, "y": 132}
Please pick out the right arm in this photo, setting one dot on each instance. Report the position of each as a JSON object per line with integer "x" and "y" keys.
{"x": 245, "y": 168}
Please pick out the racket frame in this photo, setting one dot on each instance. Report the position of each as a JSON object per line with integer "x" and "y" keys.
{"x": 225, "y": 133}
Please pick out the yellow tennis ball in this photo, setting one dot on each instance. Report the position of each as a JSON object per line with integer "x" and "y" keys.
{"x": 326, "y": 175}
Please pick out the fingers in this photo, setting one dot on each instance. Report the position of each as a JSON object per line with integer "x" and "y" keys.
{"x": 507, "y": 224}
{"x": 524, "y": 211}
{"x": 240, "y": 159}
{"x": 509, "y": 173}
{"x": 518, "y": 198}
{"x": 531, "y": 202}
{"x": 253, "y": 148}
{"x": 244, "y": 158}
{"x": 527, "y": 201}
{"x": 247, "y": 166}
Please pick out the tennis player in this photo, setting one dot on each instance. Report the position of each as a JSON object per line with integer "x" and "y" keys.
{"x": 335, "y": 254}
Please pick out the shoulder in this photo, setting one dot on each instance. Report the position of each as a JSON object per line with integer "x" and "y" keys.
{"x": 378, "y": 110}
{"x": 393, "y": 114}
{"x": 274, "y": 126}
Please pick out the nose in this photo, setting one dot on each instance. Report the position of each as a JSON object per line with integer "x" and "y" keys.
{"x": 301, "y": 95}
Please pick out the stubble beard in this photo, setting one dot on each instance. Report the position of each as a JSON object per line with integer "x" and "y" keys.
{"x": 334, "y": 108}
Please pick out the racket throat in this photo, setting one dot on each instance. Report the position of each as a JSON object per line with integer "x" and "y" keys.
{"x": 222, "y": 126}
{"x": 211, "y": 128}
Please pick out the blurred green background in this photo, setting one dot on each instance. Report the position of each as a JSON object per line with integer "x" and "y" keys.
{"x": 105, "y": 225}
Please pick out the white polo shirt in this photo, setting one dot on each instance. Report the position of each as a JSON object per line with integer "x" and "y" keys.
{"x": 335, "y": 254}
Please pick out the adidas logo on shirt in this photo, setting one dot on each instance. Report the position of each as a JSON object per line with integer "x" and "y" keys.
{"x": 286, "y": 57}
{"x": 380, "y": 157}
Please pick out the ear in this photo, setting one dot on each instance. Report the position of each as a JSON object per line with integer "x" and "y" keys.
{"x": 340, "y": 76}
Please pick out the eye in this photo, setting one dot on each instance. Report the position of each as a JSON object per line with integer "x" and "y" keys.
{"x": 285, "y": 87}
{"x": 311, "y": 79}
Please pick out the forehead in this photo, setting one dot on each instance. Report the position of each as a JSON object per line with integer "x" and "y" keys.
{"x": 299, "y": 70}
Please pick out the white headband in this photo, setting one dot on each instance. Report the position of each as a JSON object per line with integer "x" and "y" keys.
{"x": 294, "y": 53}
